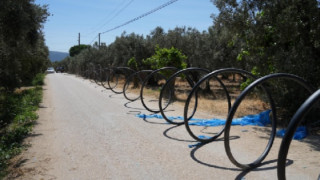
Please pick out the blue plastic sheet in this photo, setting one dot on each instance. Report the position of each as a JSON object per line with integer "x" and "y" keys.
{"x": 300, "y": 133}
{"x": 195, "y": 145}
{"x": 261, "y": 119}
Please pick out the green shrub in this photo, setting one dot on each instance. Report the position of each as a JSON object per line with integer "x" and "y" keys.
{"x": 17, "y": 118}
{"x": 165, "y": 57}
{"x": 38, "y": 80}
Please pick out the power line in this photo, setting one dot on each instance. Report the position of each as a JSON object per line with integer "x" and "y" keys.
{"x": 115, "y": 13}
{"x": 141, "y": 16}
{"x": 94, "y": 39}
{"x": 118, "y": 13}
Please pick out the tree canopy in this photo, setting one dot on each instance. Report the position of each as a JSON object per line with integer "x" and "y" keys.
{"x": 273, "y": 36}
{"x": 165, "y": 57}
{"x": 23, "y": 52}
{"x": 74, "y": 50}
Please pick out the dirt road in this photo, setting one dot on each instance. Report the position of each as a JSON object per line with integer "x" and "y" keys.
{"x": 86, "y": 132}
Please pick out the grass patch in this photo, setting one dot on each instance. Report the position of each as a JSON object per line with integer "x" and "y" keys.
{"x": 17, "y": 117}
{"x": 38, "y": 80}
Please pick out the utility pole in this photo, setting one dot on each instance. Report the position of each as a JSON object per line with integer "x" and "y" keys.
{"x": 79, "y": 39}
{"x": 99, "y": 40}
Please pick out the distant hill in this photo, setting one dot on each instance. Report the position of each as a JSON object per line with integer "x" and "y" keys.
{"x": 57, "y": 56}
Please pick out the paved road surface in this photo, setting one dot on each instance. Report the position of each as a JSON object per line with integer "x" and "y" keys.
{"x": 86, "y": 132}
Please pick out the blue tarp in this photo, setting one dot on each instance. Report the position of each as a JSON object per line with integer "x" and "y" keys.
{"x": 300, "y": 133}
{"x": 261, "y": 119}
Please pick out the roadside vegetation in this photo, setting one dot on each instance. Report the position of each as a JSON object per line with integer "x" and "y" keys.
{"x": 23, "y": 60}
{"x": 23, "y": 53}
{"x": 17, "y": 117}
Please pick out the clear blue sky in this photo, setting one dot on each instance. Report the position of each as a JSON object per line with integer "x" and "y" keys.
{"x": 90, "y": 17}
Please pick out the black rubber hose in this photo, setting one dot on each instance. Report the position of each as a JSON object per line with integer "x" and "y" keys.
{"x": 114, "y": 74}
{"x": 292, "y": 127}
{"x": 118, "y": 71}
{"x": 105, "y": 77}
{"x": 145, "y": 82}
{"x": 167, "y": 85}
{"x": 98, "y": 74}
{"x": 236, "y": 104}
{"x": 137, "y": 75}
{"x": 194, "y": 91}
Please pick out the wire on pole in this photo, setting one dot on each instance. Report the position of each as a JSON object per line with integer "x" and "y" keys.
{"x": 141, "y": 16}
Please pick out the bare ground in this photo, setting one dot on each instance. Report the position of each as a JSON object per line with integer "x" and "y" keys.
{"x": 86, "y": 132}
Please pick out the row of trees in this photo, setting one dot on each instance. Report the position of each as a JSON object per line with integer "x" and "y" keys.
{"x": 23, "y": 52}
{"x": 199, "y": 48}
{"x": 259, "y": 36}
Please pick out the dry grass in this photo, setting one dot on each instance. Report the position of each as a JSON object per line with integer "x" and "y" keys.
{"x": 21, "y": 89}
{"x": 219, "y": 107}
{"x": 214, "y": 104}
